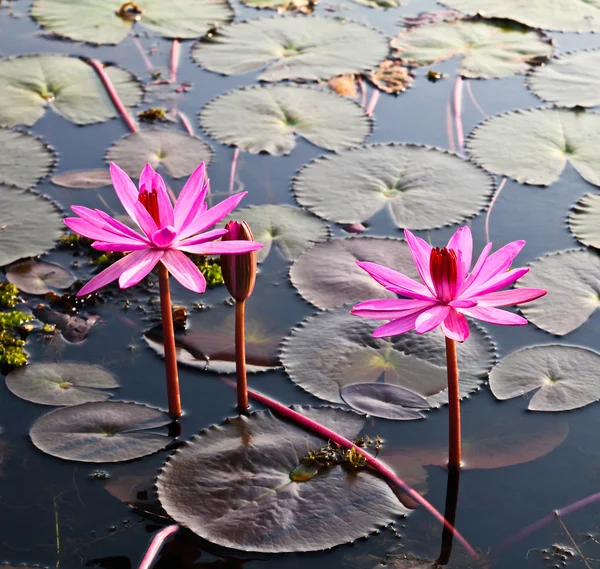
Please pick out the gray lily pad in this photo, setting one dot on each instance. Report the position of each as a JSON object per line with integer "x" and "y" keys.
{"x": 85, "y": 179}
{"x": 30, "y": 224}
{"x": 385, "y": 4}
{"x": 30, "y": 84}
{"x": 302, "y": 6}
{"x": 178, "y": 153}
{"x": 290, "y": 230}
{"x": 556, "y": 15}
{"x": 584, "y": 220}
{"x": 267, "y": 119}
{"x": 24, "y": 160}
{"x": 63, "y": 383}
{"x": 105, "y": 21}
{"x": 533, "y": 146}
{"x": 327, "y": 274}
{"x": 333, "y": 349}
{"x": 292, "y": 48}
{"x": 384, "y": 400}
{"x": 39, "y": 277}
{"x": 231, "y": 485}
{"x": 489, "y": 48}
{"x": 423, "y": 187}
{"x": 571, "y": 279}
{"x": 563, "y": 377}
{"x": 107, "y": 431}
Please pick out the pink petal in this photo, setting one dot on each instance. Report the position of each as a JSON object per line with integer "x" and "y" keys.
{"x": 398, "y": 326}
{"x": 462, "y": 243}
{"x": 495, "y": 316}
{"x": 497, "y": 282}
{"x": 212, "y": 215}
{"x": 110, "y": 274}
{"x": 146, "y": 181}
{"x": 119, "y": 247}
{"x": 91, "y": 231}
{"x": 164, "y": 237}
{"x": 510, "y": 297}
{"x": 389, "y": 308}
{"x": 120, "y": 227}
{"x": 431, "y": 318}
{"x": 184, "y": 270}
{"x": 125, "y": 189}
{"x": 204, "y": 237}
{"x": 421, "y": 253}
{"x": 396, "y": 282}
{"x": 221, "y": 247}
{"x": 190, "y": 198}
{"x": 466, "y": 303}
{"x": 478, "y": 266}
{"x": 455, "y": 327}
{"x": 151, "y": 180}
{"x": 143, "y": 263}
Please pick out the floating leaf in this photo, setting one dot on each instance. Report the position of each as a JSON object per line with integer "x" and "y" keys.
{"x": 584, "y": 221}
{"x": 63, "y": 383}
{"x": 327, "y": 274}
{"x": 333, "y": 349}
{"x": 384, "y": 400}
{"x": 302, "y": 6}
{"x": 490, "y": 48}
{"x": 290, "y": 229}
{"x": 39, "y": 277}
{"x": 423, "y": 187}
{"x": 344, "y": 85}
{"x": 74, "y": 328}
{"x": 571, "y": 279}
{"x": 29, "y": 224}
{"x": 231, "y": 485}
{"x": 292, "y": 48}
{"x": 85, "y": 179}
{"x": 556, "y": 15}
{"x": 267, "y": 119}
{"x": 178, "y": 153}
{"x": 563, "y": 377}
{"x": 533, "y": 146}
{"x": 24, "y": 159}
{"x": 385, "y": 4}
{"x": 391, "y": 77}
{"x": 110, "y": 21}
{"x": 32, "y": 83}
{"x": 107, "y": 431}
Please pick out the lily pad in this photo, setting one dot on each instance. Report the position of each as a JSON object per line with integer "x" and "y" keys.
{"x": 39, "y": 277}
{"x": 584, "y": 220}
{"x": 489, "y": 48}
{"x": 333, "y": 349}
{"x": 562, "y": 377}
{"x": 178, "y": 153}
{"x": 110, "y": 21}
{"x": 571, "y": 278}
{"x": 85, "y": 179}
{"x": 30, "y": 84}
{"x": 231, "y": 485}
{"x": 74, "y": 328}
{"x": 267, "y": 119}
{"x": 555, "y": 15}
{"x": 29, "y": 224}
{"x": 384, "y": 400}
{"x": 63, "y": 383}
{"x": 327, "y": 274}
{"x": 24, "y": 160}
{"x": 533, "y": 146}
{"x": 107, "y": 431}
{"x": 301, "y": 6}
{"x": 290, "y": 230}
{"x": 385, "y": 4}
{"x": 423, "y": 187}
{"x": 391, "y": 77}
{"x": 292, "y": 48}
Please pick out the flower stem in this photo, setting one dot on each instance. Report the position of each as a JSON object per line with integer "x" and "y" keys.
{"x": 450, "y": 515}
{"x": 240, "y": 356}
{"x": 454, "y": 405}
{"x": 169, "y": 343}
{"x": 156, "y": 544}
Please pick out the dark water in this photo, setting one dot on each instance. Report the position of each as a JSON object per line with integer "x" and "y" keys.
{"x": 53, "y": 514}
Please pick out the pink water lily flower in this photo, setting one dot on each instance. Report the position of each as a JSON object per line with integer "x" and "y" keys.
{"x": 449, "y": 292}
{"x": 167, "y": 231}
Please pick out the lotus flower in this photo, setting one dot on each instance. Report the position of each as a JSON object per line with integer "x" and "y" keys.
{"x": 167, "y": 232}
{"x": 449, "y": 292}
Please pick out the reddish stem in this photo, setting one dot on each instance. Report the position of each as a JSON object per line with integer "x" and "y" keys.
{"x": 175, "y": 52}
{"x": 489, "y": 211}
{"x": 449, "y": 129}
{"x": 169, "y": 343}
{"x": 453, "y": 405}
{"x": 142, "y": 51}
{"x": 363, "y": 92}
{"x": 236, "y": 155}
{"x": 373, "y": 102}
{"x": 186, "y": 123}
{"x": 240, "y": 356}
{"x": 457, "y": 108}
{"x": 156, "y": 544}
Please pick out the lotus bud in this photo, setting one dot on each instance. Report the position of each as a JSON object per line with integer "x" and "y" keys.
{"x": 239, "y": 270}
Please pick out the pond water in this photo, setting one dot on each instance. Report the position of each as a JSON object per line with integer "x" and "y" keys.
{"x": 64, "y": 514}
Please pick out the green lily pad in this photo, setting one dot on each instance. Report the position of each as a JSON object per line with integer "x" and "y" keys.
{"x": 110, "y": 21}
{"x": 555, "y": 15}
{"x": 327, "y": 274}
{"x": 84, "y": 179}
{"x": 533, "y": 146}
{"x": 584, "y": 220}
{"x": 267, "y": 119}
{"x": 231, "y": 485}
{"x": 30, "y": 84}
{"x": 292, "y": 48}
{"x": 39, "y": 277}
{"x": 571, "y": 279}
{"x": 563, "y": 377}
{"x": 423, "y": 187}
{"x": 63, "y": 383}
{"x": 489, "y": 48}
{"x": 178, "y": 153}
{"x": 24, "y": 160}
{"x": 333, "y": 349}
{"x": 106, "y": 431}
{"x": 289, "y": 229}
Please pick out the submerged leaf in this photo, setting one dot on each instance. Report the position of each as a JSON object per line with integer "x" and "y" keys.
{"x": 85, "y": 179}
{"x": 74, "y": 328}
{"x": 39, "y": 277}
{"x": 584, "y": 220}
{"x": 344, "y": 85}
